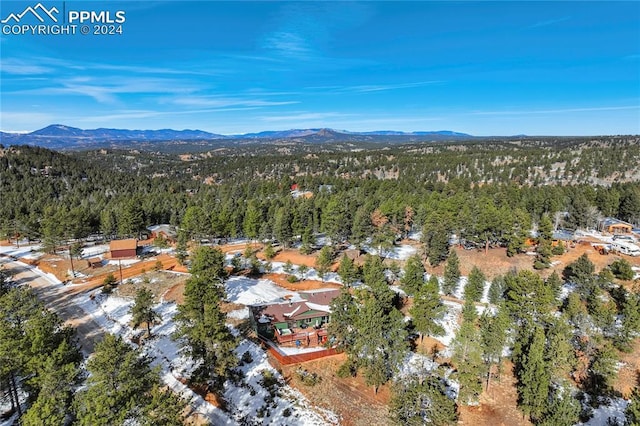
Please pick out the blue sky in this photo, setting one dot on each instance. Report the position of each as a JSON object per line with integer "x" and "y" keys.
{"x": 484, "y": 68}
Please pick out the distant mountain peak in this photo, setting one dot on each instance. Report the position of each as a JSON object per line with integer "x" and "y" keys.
{"x": 63, "y": 136}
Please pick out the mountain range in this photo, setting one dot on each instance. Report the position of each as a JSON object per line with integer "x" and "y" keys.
{"x": 58, "y": 136}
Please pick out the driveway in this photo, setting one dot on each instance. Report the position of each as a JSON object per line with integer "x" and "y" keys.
{"x": 59, "y": 299}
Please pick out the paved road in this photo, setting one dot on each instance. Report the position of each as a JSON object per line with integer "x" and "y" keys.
{"x": 59, "y": 299}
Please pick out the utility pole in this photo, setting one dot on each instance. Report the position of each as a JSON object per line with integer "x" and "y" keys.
{"x": 120, "y": 266}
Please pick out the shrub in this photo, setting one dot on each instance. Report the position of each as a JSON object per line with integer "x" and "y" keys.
{"x": 307, "y": 378}
{"x": 292, "y": 279}
{"x": 621, "y": 269}
{"x": 158, "y": 265}
{"x": 348, "y": 369}
{"x": 246, "y": 358}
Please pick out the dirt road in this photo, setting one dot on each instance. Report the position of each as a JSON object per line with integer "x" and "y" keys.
{"x": 59, "y": 299}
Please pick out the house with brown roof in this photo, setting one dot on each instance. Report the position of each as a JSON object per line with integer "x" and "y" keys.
{"x": 123, "y": 249}
{"x": 615, "y": 226}
{"x": 300, "y": 322}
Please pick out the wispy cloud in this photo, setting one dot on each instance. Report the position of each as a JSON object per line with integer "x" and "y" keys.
{"x": 145, "y": 114}
{"x": 549, "y": 22}
{"x": 556, "y": 111}
{"x": 106, "y": 89}
{"x": 384, "y": 87}
{"x": 21, "y": 67}
{"x": 217, "y": 101}
{"x": 288, "y": 44}
{"x": 368, "y": 88}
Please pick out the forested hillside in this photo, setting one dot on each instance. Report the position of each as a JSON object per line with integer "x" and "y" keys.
{"x": 480, "y": 191}
{"x": 559, "y": 336}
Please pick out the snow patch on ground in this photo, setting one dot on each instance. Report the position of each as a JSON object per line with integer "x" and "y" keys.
{"x": 459, "y": 290}
{"x": 415, "y": 236}
{"x": 415, "y": 365}
{"x": 401, "y": 252}
{"x": 239, "y": 314}
{"x": 124, "y": 262}
{"x": 28, "y": 252}
{"x": 93, "y": 251}
{"x": 249, "y": 291}
{"x": 449, "y": 322}
{"x": 281, "y": 406}
{"x": 485, "y": 292}
{"x": 614, "y": 410}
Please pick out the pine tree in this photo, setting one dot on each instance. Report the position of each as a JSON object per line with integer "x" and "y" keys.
{"x": 436, "y": 238}
{"x": 564, "y": 408}
{"x": 201, "y": 323}
{"x": 324, "y": 261}
{"x": 374, "y": 278}
{"x": 560, "y": 354}
{"x": 142, "y": 310}
{"x": 602, "y": 370}
{"x": 5, "y": 281}
{"x": 467, "y": 357}
{"x": 633, "y": 409}
{"x": 527, "y": 296}
{"x": 630, "y": 321}
{"x": 181, "y": 247}
{"x": 341, "y": 328}
{"x": 122, "y": 388}
{"x": 252, "y": 219}
{"x": 621, "y": 269}
{"x": 533, "y": 377}
{"x": 413, "y": 278}
{"x": 372, "y": 270}
{"x": 164, "y": 408}
{"x": 119, "y": 378}
{"x": 427, "y": 309}
{"x": 57, "y": 382}
{"x": 380, "y": 342}
{"x": 418, "y": 402}
{"x": 555, "y": 284}
{"x": 282, "y": 226}
{"x": 451, "y": 274}
{"x": 347, "y": 271}
{"x": 269, "y": 252}
{"x": 493, "y": 331}
{"x": 475, "y": 285}
{"x": 496, "y": 291}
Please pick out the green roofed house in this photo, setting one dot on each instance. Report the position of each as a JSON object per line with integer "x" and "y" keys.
{"x": 300, "y": 322}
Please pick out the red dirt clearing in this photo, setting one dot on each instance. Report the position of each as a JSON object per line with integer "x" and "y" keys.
{"x": 497, "y": 406}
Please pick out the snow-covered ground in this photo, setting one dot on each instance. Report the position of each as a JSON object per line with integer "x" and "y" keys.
{"x": 250, "y": 291}
{"x": 124, "y": 262}
{"x": 415, "y": 236}
{"x": 311, "y": 274}
{"x": 401, "y": 252}
{"x": 418, "y": 365}
{"x": 614, "y": 411}
{"x": 24, "y": 251}
{"x": 93, "y": 251}
{"x": 112, "y": 313}
{"x": 449, "y": 322}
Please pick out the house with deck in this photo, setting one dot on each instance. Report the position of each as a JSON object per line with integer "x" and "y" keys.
{"x": 295, "y": 323}
{"x": 615, "y": 226}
